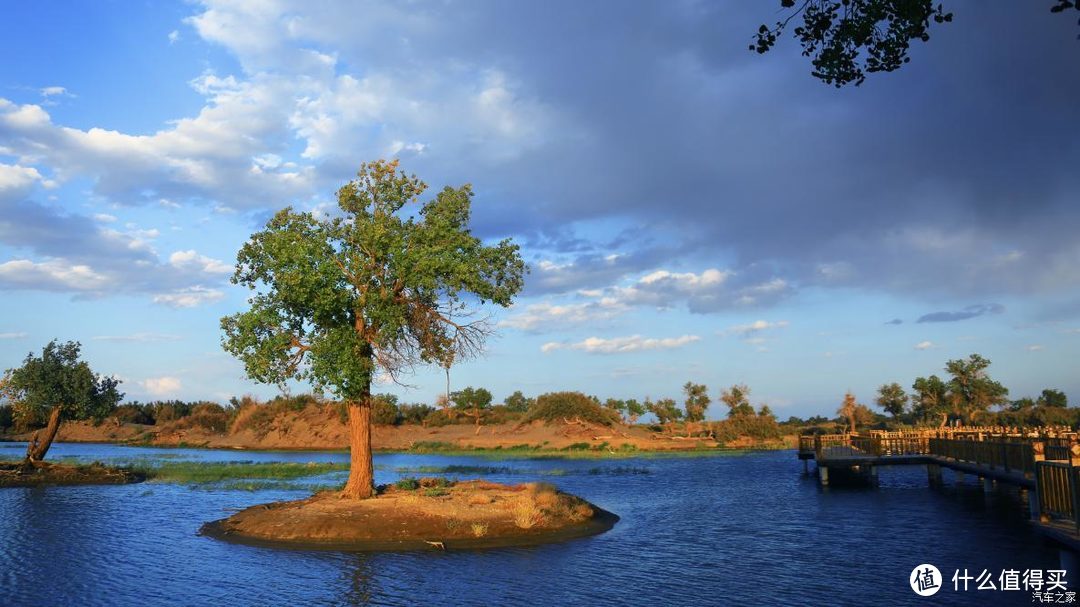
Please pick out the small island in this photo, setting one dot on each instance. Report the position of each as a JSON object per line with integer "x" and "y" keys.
{"x": 424, "y": 514}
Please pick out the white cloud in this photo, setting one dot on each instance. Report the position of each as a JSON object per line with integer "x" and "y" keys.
{"x": 189, "y": 297}
{"x": 1035, "y": 347}
{"x": 709, "y": 291}
{"x": 161, "y": 386}
{"x": 13, "y": 335}
{"x": 16, "y": 181}
{"x": 174, "y": 37}
{"x": 52, "y": 275}
{"x": 925, "y": 345}
{"x": 756, "y": 327}
{"x": 55, "y": 91}
{"x": 541, "y": 316}
{"x": 192, "y": 261}
{"x": 621, "y": 345}
{"x": 104, "y": 218}
{"x": 138, "y": 337}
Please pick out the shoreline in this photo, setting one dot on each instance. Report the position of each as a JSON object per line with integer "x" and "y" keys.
{"x": 504, "y": 453}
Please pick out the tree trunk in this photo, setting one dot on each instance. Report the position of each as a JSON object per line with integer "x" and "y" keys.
{"x": 361, "y": 484}
{"x": 852, "y": 420}
{"x": 40, "y": 443}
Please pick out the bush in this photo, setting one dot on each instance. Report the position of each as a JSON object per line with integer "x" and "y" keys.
{"x": 384, "y": 410}
{"x": 134, "y": 413}
{"x": 415, "y": 413}
{"x": 407, "y": 483}
{"x": 760, "y": 427}
{"x": 208, "y": 416}
{"x": 559, "y": 406}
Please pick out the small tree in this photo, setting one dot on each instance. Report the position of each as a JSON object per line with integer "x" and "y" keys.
{"x": 58, "y": 385}
{"x": 472, "y": 402}
{"x": 696, "y": 403}
{"x": 737, "y": 398}
{"x": 634, "y": 410}
{"x": 518, "y": 402}
{"x": 1053, "y": 398}
{"x": 971, "y": 391}
{"x": 930, "y": 399}
{"x": 892, "y": 398}
{"x": 383, "y": 287}
{"x": 384, "y": 410}
{"x": 855, "y": 413}
{"x": 665, "y": 410}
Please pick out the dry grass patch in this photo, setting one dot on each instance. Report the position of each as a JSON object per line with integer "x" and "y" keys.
{"x": 479, "y": 529}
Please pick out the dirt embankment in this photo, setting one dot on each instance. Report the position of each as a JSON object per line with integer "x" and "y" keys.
{"x": 322, "y": 428}
{"x": 468, "y": 514}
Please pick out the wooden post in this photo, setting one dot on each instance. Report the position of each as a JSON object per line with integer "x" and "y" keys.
{"x": 823, "y": 474}
{"x": 933, "y": 474}
{"x": 1074, "y": 454}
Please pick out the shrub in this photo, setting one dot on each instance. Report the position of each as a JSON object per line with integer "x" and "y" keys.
{"x": 415, "y": 413}
{"x": 407, "y": 483}
{"x": 134, "y": 413}
{"x": 384, "y": 410}
{"x": 6, "y": 417}
{"x": 479, "y": 529}
{"x": 559, "y": 406}
{"x": 208, "y": 416}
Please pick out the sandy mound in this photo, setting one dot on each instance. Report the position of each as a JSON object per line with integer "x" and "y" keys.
{"x": 41, "y": 473}
{"x": 468, "y": 514}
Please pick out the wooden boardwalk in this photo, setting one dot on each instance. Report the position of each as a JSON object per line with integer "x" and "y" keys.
{"x": 1047, "y": 468}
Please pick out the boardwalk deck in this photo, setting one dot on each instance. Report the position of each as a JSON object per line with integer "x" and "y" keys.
{"x": 1047, "y": 467}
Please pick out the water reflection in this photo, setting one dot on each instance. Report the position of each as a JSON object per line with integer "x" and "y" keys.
{"x": 728, "y": 530}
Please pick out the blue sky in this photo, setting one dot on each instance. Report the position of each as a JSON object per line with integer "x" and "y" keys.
{"x": 689, "y": 210}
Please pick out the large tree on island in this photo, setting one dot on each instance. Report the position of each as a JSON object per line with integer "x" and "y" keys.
{"x": 57, "y": 385}
{"x": 379, "y": 289}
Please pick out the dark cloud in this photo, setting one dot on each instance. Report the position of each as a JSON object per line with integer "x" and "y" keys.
{"x": 968, "y": 312}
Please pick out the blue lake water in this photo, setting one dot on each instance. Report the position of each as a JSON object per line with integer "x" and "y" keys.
{"x": 729, "y": 530}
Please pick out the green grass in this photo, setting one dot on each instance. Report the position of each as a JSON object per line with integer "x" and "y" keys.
{"x": 216, "y": 472}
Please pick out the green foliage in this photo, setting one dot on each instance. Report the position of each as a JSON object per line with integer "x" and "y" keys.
{"x": 697, "y": 401}
{"x": 407, "y": 483}
{"x": 665, "y": 410}
{"x": 416, "y": 413}
{"x": 211, "y": 417}
{"x": 1053, "y": 398}
{"x": 892, "y": 398}
{"x": 737, "y": 398}
{"x": 6, "y": 418}
{"x": 971, "y": 391}
{"x": 384, "y": 410}
{"x": 58, "y": 378}
{"x": 560, "y": 406}
{"x": 518, "y": 402}
{"x": 209, "y": 472}
{"x": 757, "y": 427}
{"x": 634, "y": 410}
{"x": 930, "y": 399}
{"x": 378, "y": 287}
{"x": 472, "y": 402}
{"x": 134, "y": 413}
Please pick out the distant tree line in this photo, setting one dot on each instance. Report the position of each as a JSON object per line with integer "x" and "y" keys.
{"x": 966, "y": 395}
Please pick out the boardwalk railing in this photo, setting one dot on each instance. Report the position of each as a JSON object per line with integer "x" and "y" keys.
{"x": 1058, "y": 484}
{"x": 1007, "y": 456}
{"x": 1048, "y": 464}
